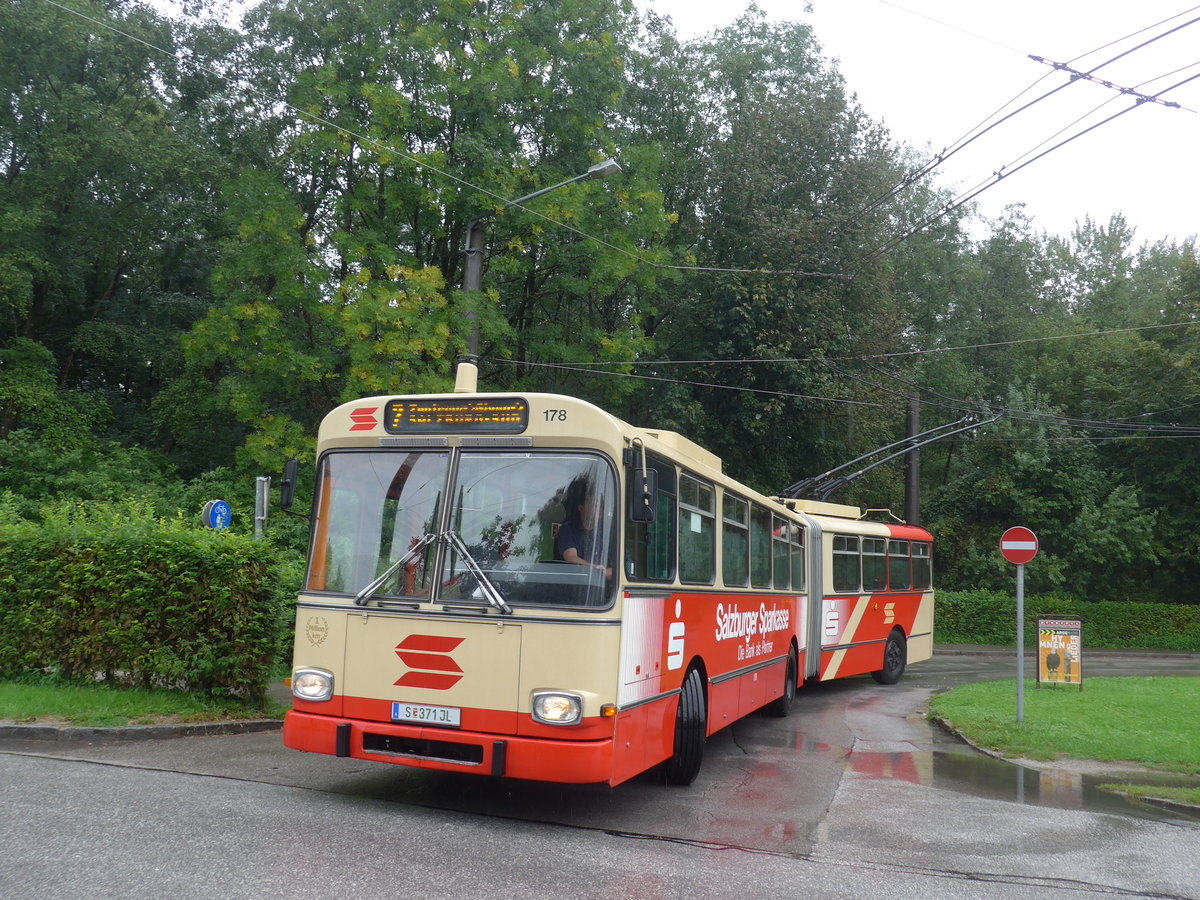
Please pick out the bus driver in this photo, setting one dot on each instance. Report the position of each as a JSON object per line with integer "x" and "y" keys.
{"x": 578, "y": 541}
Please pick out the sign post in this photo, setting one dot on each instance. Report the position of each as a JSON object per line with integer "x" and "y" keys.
{"x": 1019, "y": 545}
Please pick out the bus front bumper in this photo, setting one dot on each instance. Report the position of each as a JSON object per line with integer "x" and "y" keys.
{"x": 511, "y": 756}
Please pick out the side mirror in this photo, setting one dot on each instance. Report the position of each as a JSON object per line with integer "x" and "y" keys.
{"x": 643, "y": 495}
{"x": 287, "y": 484}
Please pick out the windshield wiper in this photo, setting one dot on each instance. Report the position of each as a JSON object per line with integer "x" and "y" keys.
{"x": 365, "y": 594}
{"x": 485, "y": 585}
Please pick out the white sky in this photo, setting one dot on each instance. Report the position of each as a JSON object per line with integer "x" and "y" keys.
{"x": 934, "y": 70}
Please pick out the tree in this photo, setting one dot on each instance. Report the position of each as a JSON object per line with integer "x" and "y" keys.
{"x": 102, "y": 209}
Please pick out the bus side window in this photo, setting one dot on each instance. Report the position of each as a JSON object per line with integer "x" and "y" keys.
{"x": 760, "y": 546}
{"x": 874, "y": 564}
{"x": 845, "y": 565}
{"x": 899, "y": 570}
{"x": 697, "y": 551}
{"x": 796, "y": 537}
{"x": 735, "y": 540}
{"x": 781, "y": 550}
{"x": 650, "y": 546}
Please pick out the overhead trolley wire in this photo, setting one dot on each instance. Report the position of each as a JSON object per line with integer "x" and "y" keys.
{"x": 979, "y": 130}
{"x": 1000, "y": 175}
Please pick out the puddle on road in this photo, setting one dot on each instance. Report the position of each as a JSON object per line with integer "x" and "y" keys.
{"x": 967, "y": 771}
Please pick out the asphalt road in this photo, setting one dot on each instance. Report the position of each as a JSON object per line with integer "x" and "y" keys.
{"x": 855, "y": 795}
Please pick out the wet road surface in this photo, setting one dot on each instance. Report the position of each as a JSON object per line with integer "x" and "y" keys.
{"x": 855, "y": 788}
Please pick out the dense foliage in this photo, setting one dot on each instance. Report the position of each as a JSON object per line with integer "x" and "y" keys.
{"x": 990, "y": 617}
{"x": 209, "y": 236}
{"x": 120, "y": 596}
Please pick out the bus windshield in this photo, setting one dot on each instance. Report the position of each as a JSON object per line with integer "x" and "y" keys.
{"x": 535, "y": 528}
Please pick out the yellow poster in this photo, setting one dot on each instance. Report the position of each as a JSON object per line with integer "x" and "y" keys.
{"x": 1060, "y": 653}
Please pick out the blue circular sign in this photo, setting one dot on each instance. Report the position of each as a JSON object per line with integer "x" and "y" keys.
{"x": 216, "y": 514}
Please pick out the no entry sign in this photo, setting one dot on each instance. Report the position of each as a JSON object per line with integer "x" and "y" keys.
{"x": 1018, "y": 545}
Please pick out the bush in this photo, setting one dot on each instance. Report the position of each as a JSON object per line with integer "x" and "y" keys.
{"x": 111, "y": 593}
{"x": 988, "y": 617}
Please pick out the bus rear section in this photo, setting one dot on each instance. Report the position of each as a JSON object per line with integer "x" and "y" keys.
{"x": 875, "y": 612}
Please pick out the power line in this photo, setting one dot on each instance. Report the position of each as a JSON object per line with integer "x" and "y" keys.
{"x": 897, "y": 354}
{"x": 380, "y": 147}
{"x": 956, "y": 405}
{"x": 1148, "y": 430}
{"x": 722, "y": 387}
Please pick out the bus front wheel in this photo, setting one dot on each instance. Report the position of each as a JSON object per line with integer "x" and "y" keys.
{"x": 690, "y": 721}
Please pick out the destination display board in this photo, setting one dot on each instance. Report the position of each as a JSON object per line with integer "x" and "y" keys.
{"x": 494, "y": 415}
{"x": 1060, "y": 651}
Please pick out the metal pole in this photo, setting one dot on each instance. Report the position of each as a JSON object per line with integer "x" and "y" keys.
{"x": 262, "y": 491}
{"x": 912, "y": 480}
{"x": 473, "y": 267}
{"x": 1020, "y": 643}
{"x": 473, "y": 279}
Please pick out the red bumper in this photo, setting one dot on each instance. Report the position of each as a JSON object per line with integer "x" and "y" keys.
{"x": 537, "y": 759}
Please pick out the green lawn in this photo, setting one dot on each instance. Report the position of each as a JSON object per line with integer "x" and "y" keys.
{"x": 1151, "y": 721}
{"x": 102, "y": 706}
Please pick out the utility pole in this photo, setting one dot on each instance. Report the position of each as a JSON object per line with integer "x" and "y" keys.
{"x": 476, "y": 240}
{"x": 912, "y": 469}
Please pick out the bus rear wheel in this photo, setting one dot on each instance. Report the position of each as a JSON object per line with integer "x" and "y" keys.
{"x": 690, "y": 721}
{"x": 781, "y": 706}
{"x": 895, "y": 658}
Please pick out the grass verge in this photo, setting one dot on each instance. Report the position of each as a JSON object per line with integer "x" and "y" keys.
{"x": 102, "y": 706}
{"x": 1154, "y": 722}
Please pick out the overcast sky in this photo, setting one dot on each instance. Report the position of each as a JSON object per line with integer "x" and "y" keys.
{"x": 934, "y": 70}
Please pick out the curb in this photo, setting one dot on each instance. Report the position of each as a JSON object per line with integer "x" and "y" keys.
{"x": 122, "y": 734}
{"x": 1092, "y": 653}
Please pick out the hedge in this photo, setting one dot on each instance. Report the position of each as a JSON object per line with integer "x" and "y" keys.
{"x": 986, "y": 617}
{"x": 160, "y": 604}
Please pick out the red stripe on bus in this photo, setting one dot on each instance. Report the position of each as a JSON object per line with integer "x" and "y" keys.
{"x": 431, "y": 642}
{"x": 435, "y": 661}
{"x": 429, "y": 680}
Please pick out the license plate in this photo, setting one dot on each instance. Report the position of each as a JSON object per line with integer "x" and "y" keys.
{"x": 425, "y": 714}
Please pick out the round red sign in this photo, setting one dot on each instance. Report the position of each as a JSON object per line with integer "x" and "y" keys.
{"x": 1018, "y": 545}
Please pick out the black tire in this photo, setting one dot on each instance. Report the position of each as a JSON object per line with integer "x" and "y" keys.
{"x": 690, "y": 722}
{"x": 895, "y": 658}
{"x": 781, "y": 706}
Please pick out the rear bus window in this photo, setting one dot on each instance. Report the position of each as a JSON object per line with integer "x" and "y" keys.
{"x": 922, "y": 570}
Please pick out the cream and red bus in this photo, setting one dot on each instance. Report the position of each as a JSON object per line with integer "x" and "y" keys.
{"x": 522, "y": 585}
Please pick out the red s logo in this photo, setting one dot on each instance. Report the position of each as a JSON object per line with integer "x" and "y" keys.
{"x": 428, "y": 659}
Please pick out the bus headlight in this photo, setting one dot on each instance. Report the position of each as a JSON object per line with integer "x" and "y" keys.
{"x": 313, "y": 685}
{"x": 557, "y": 708}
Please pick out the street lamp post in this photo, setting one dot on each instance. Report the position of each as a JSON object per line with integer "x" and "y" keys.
{"x": 473, "y": 266}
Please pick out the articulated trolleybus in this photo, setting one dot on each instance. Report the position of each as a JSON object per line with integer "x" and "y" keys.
{"x": 523, "y": 585}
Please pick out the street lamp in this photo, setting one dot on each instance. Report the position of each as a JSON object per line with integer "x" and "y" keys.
{"x": 473, "y": 267}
